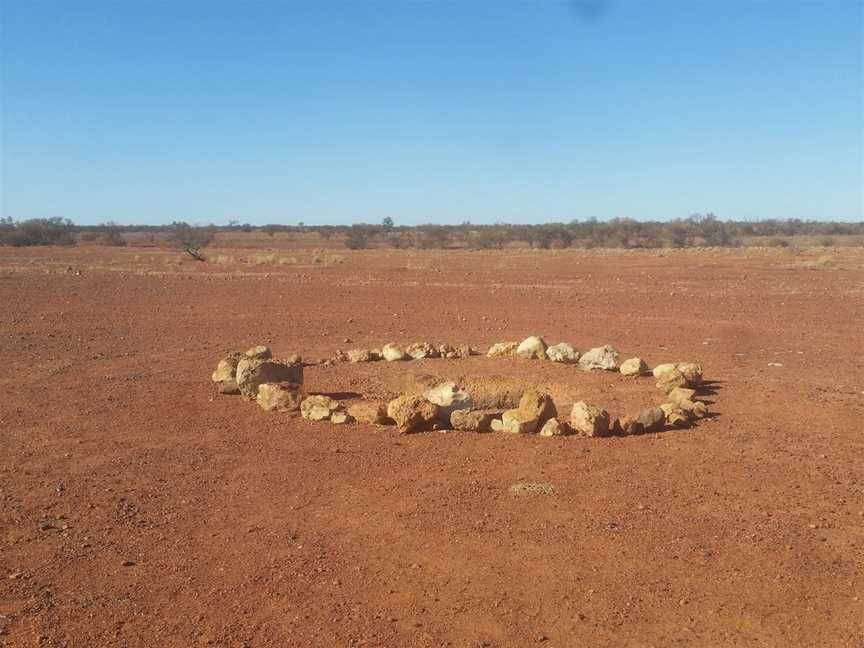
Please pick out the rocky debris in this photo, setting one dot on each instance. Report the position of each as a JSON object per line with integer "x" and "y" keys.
{"x": 652, "y": 419}
{"x": 282, "y": 396}
{"x": 627, "y": 426}
{"x": 340, "y": 417}
{"x": 473, "y": 420}
{"x": 554, "y": 427}
{"x": 339, "y": 356}
{"x": 226, "y": 369}
{"x": 535, "y": 408}
{"x": 671, "y": 379}
{"x": 420, "y": 350}
{"x": 681, "y": 394}
{"x": 675, "y": 416}
{"x": 252, "y": 372}
{"x": 502, "y": 349}
{"x": 373, "y": 412}
{"x": 660, "y": 369}
{"x": 319, "y": 407}
{"x": 589, "y": 420}
{"x": 259, "y": 352}
{"x": 562, "y": 352}
{"x": 532, "y": 488}
{"x": 412, "y": 413}
{"x": 497, "y": 425}
{"x": 228, "y": 387}
{"x": 633, "y": 367}
{"x": 605, "y": 357}
{"x": 447, "y": 351}
{"x": 294, "y": 358}
{"x": 359, "y": 355}
{"x": 449, "y": 397}
{"x": 392, "y": 352}
{"x": 532, "y": 348}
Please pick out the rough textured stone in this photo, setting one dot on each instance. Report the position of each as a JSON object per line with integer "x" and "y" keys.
{"x": 589, "y": 420}
{"x": 318, "y": 408}
{"x": 627, "y": 426}
{"x": 359, "y": 355}
{"x": 562, "y": 352}
{"x": 660, "y": 369}
{"x": 420, "y": 350}
{"x": 392, "y": 352}
{"x": 497, "y": 425}
{"x": 373, "y": 412}
{"x": 465, "y": 351}
{"x": 228, "y": 387}
{"x": 554, "y": 427}
{"x": 340, "y": 418}
{"x": 652, "y": 419}
{"x": 694, "y": 409}
{"x": 252, "y": 372}
{"x": 692, "y": 372}
{"x": 227, "y": 368}
{"x": 502, "y": 349}
{"x": 294, "y": 358}
{"x": 605, "y": 357}
{"x": 677, "y": 417}
{"x": 259, "y": 352}
{"x": 284, "y": 396}
{"x": 633, "y": 367}
{"x": 449, "y": 397}
{"x": 447, "y": 351}
{"x": 412, "y": 413}
{"x": 532, "y": 348}
{"x": 473, "y": 420}
{"x": 681, "y": 394}
{"x": 671, "y": 379}
{"x": 535, "y": 408}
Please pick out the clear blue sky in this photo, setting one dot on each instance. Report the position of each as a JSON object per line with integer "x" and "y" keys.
{"x": 144, "y": 111}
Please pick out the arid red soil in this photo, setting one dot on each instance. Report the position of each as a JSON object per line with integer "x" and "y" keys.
{"x": 138, "y": 508}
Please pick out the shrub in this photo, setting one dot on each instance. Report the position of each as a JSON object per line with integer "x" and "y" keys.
{"x": 357, "y": 238}
{"x": 191, "y": 239}
{"x": 37, "y": 231}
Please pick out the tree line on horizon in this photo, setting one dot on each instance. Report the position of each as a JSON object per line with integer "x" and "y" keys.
{"x": 705, "y": 230}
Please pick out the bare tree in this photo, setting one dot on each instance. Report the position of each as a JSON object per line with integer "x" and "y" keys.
{"x": 191, "y": 239}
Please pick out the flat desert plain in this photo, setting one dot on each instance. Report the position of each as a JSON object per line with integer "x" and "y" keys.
{"x": 139, "y": 508}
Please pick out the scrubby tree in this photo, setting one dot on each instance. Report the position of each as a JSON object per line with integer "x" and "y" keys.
{"x": 191, "y": 239}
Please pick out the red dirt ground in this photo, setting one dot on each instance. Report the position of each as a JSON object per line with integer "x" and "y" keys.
{"x": 257, "y": 529}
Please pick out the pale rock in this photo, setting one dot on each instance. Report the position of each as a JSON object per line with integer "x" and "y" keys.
{"x": 671, "y": 379}
{"x": 554, "y": 427}
{"x": 420, "y": 350}
{"x": 633, "y": 367}
{"x": 227, "y": 368}
{"x": 412, "y": 413}
{"x": 449, "y": 397}
{"x": 473, "y": 420}
{"x": 259, "y": 352}
{"x": 627, "y": 426}
{"x": 652, "y": 418}
{"x": 535, "y": 408}
{"x": 562, "y": 352}
{"x": 532, "y": 348}
{"x": 359, "y": 355}
{"x": 605, "y": 357}
{"x": 282, "y": 396}
{"x": 392, "y": 352}
{"x": 318, "y": 407}
{"x": 340, "y": 418}
{"x": 680, "y": 394}
{"x": 373, "y": 412}
{"x": 252, "y": 372}
{"x": 589, "y": 420}
{"x": 502, "y": 349}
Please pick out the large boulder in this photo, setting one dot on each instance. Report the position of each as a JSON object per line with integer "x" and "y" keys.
{"x": 502, "y": 349}
{"x": 473, "y": 420}
{"x": 633, "y": 367}
{"x": 318, "y": 407}
{"x": 562, "y": 352}
{"x": 449, "y": 397}
{"x": 412, "y": 413}
{"x": 605, "y": 357}
{"x": 589, "y": 420}
{"x": 420, "y": 350}
{"x": 373, "y": 412}
{"x": 252, "y": 372}
{"x": 532, "y": 348}
{"x": 535, "y": 408}
{"x": 393, "y": 352}
{"x": 554, "y": 427}
{"x": 284, "y": 396}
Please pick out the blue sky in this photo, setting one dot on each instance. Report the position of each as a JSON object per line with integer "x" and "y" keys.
{"x": 144, "y": 111}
